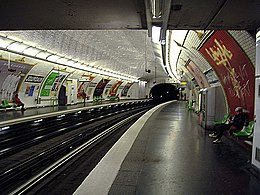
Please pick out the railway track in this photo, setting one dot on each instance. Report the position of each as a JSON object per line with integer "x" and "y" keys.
{"x": 52, "y": 155}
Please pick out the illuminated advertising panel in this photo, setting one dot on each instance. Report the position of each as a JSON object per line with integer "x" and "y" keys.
{"x": 234, "y": 69}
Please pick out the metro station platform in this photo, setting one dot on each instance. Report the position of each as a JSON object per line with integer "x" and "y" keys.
{"x": 167, "y": 152}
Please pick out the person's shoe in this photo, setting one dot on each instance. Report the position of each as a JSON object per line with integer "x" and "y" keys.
{"x": 216, "y": 141}
{"x": 213, "y": 135}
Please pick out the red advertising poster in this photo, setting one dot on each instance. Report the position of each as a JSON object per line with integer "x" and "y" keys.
{"x": 114, "y": 89}
{"x": 234, "y": 69}
{"x": 100, "y": 87}
{"x": 198, "y": 75}
{"x": 83, "y": 84}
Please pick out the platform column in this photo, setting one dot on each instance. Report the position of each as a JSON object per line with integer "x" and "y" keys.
{"x": 256, "y": 139}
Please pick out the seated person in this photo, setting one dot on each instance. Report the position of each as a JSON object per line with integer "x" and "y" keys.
{"x": 233, "y": 125}
{"x": 18, "y": 101}
{"x": 246, "y": 115}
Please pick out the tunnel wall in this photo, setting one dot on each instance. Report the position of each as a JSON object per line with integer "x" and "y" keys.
{"x": 36, "y": 85}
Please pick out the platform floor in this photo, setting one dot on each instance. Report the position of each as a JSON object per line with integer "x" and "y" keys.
{"x": 167, "y": 153}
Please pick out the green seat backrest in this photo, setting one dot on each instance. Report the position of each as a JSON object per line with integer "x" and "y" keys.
{"x": 225, "y": 118}
{"x": 250, "y": 128}
{"x": 5, "y": 103}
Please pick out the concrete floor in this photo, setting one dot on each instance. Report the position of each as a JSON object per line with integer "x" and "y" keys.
{"x": 174, "y": 155}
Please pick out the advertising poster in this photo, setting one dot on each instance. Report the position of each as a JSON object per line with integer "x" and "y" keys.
{"x": 11, "y": 77}
{"x": 83, "y": 84}
{"x": 29, "y": 90}
{"x": 126, "y": 89}
{"x": 115, "y": 88}
{"x": 100, "y": 87}
{"x": 107, "y": 89}
{"x": 53, "y": 83}
{"x": 33, "y": 85}
{"x": 198, "y": 75}
{"x": 234, "y": 69}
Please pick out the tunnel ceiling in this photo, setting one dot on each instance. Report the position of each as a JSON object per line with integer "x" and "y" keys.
{"x": 122, "y": 48}
{"x": 128, "y": 14}
{"x": 122, "y": 51}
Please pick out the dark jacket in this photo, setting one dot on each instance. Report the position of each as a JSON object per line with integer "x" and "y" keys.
{"x": 239, "y": 121}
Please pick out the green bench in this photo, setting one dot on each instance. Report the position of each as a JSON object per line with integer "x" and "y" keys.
{"x": 113, "y": 97}
{"x": 247, "y": 132}
{"x": 97, "y": 99}
{"x": 223, "y": 121}
{"x": 5, "y": 104}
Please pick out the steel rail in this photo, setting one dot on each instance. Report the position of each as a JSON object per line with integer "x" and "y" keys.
{"x": 76, "y": 153}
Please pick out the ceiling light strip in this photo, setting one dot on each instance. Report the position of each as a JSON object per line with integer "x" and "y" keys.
{"x": 21, "y": 48}
{"x": 168, "y": 48}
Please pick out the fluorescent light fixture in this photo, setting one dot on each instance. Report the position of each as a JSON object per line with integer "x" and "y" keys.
{"x": 76, "y": 65}
{"x": 32, "y": 51}
{"x": 4, "y": 42}
{"x": 173, "y": 56}
{"x": 169, "y": 70}
{"x": 156, "y": 8}
{"x": 18, "y": 47}
{"x": 174, "y": 46}
{"x": 14, "y": 45}
{"x": 179, "y": 35}
{"x": 70, "y": 63}
{"x": 258, "y": 36}
{"x": 62, "y": 60}
{"x": 43, "y": 55}
{"x": 53, "y": 58}
{"x": 156, "y": 31}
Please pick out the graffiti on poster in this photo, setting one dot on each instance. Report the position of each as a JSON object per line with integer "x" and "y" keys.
{"x": 234, "y": 69}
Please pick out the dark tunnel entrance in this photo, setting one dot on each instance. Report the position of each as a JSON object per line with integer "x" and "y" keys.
{"x": 164, "y": 92}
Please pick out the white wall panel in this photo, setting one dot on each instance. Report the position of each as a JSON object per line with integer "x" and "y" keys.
{"x": 256, "y": 138}
{"x": 247, "y": 43}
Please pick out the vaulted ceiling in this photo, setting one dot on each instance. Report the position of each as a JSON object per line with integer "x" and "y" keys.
{"x": 110, "y": 34}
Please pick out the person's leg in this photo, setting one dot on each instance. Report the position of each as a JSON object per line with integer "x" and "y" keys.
{"x": 221, "y": 130}
{"x": 216, "y": 129}
{"x": 232, "y": 129}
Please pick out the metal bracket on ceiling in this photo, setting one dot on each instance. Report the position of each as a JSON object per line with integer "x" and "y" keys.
{"x": 165, "y": 18}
